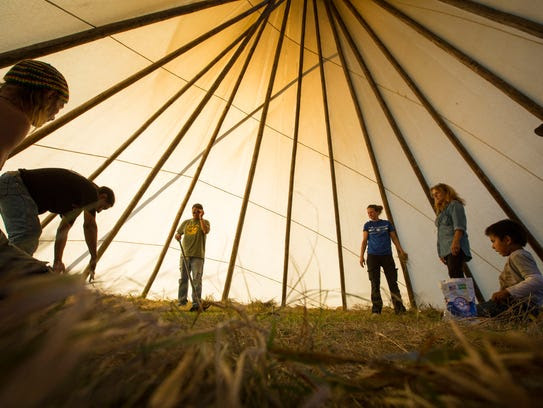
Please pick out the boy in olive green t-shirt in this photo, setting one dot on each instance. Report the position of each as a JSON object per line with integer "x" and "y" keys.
{"x": 194, "y": 231}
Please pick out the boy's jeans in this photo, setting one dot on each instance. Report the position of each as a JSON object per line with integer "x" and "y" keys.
{"x": 196, "y": 266}
{"x": 515, "y": 308}
{"x": 19, "y": 212}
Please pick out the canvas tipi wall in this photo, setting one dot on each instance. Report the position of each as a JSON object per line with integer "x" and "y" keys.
{"x": 285, "y": 149}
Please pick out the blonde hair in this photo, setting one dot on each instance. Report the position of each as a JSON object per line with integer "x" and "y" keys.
{"x": 39, "y": 107}
{"x": 450, "y": 195}
{"x": 34, "y": 102}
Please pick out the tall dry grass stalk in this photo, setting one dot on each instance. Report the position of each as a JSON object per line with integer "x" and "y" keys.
{"x": 64, "y": 345}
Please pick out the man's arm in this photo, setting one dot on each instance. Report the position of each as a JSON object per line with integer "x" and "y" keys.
{"x": 60, "y": 244}
{"x": 90, "y": 230}
{"x": 204, "y": 225}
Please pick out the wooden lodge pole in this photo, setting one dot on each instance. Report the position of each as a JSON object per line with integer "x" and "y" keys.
{"x": 477, "y": 170}
{"x": 254, "y": 160}
{"x": 523, "y": 100}
{"x": 511, "y": 20}
{"x": 91, "y": 103}
{"x": 293, "y": 157}
{"x": 399, "y": 136}
{"x": 206, "y": 152}
{"x": 371, "y": 151}
{"x": 173, "y": 145}
{"x": 331, "y": 158}
{"x": 59, "y": 44}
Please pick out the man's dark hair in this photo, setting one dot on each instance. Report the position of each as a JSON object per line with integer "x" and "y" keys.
{"x": 110, "y": 195}
{"x": 509, "y": 228}
{"x": 198, "y": 205}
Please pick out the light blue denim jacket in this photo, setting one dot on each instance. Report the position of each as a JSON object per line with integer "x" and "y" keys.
{"x": 453, "y": 217}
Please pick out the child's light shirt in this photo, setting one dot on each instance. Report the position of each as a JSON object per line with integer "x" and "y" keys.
{"x": 521, "y": 277}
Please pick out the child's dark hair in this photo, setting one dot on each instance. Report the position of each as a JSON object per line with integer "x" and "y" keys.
{"x": 509, "y": 228}
{"x": 376, "y": 207}
{"x": 198, "y": 205}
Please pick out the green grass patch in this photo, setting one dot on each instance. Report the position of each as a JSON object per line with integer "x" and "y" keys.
{"x": 64, "y": 345}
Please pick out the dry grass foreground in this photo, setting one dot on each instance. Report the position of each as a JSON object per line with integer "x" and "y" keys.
{"x": 64, "y": 345}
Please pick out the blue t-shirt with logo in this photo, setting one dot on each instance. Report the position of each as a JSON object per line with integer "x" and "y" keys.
{"x": 379, "y": 237}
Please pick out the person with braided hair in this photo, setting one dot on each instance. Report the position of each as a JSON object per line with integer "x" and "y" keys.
{"x": 32, "y": 93}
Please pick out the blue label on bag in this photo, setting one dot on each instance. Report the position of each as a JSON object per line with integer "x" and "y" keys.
{"x": 461, "y": 307}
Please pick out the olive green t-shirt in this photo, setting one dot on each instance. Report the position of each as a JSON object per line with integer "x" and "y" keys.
{"x": 194, "y": 239}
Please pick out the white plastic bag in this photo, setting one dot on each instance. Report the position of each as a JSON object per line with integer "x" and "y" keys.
{"x": 459, "y": 297}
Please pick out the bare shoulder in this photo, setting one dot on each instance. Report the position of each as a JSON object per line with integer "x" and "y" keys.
{"x": 14, "y": 125}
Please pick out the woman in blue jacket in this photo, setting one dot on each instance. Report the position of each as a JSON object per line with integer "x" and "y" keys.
{"x": 452, "y": 234}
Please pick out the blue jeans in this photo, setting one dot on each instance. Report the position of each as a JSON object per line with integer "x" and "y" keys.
{"x": 196, "y": 266}
{"x": 15, "y": 263}
{"x": 516, "y": 308}
{"x": 19, "y": 212}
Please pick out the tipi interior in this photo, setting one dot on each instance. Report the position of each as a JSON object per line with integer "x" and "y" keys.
{"x": 285, "y": 119}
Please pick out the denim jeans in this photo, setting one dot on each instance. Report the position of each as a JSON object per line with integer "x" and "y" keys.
{"x": 514, "y": 308}
{"x": 15, "y": 263}
{"x": 196, "y": 266}
{"x": 19, "y": 212}
{"x": 375, "y": 262}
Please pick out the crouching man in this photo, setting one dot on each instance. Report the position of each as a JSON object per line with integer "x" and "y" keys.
{"x": 24, "y": 194}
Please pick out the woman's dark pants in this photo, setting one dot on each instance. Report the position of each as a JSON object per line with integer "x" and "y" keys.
{"x": 375, "y": 263}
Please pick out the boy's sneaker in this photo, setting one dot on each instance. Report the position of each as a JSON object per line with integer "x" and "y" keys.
{"x": 180, "y": 303}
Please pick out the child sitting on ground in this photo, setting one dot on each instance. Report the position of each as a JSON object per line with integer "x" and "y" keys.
{"x": 521, "y": 282}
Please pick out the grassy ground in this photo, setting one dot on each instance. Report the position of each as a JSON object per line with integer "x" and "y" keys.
{"x": 63, "y": 345}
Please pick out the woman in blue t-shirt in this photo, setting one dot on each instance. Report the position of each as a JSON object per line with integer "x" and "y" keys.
{"x": 377, "y": 235}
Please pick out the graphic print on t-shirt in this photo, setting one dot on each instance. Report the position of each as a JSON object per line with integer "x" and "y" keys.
{"x": 379, "y": 237}
{"x": 191, "y": 229}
